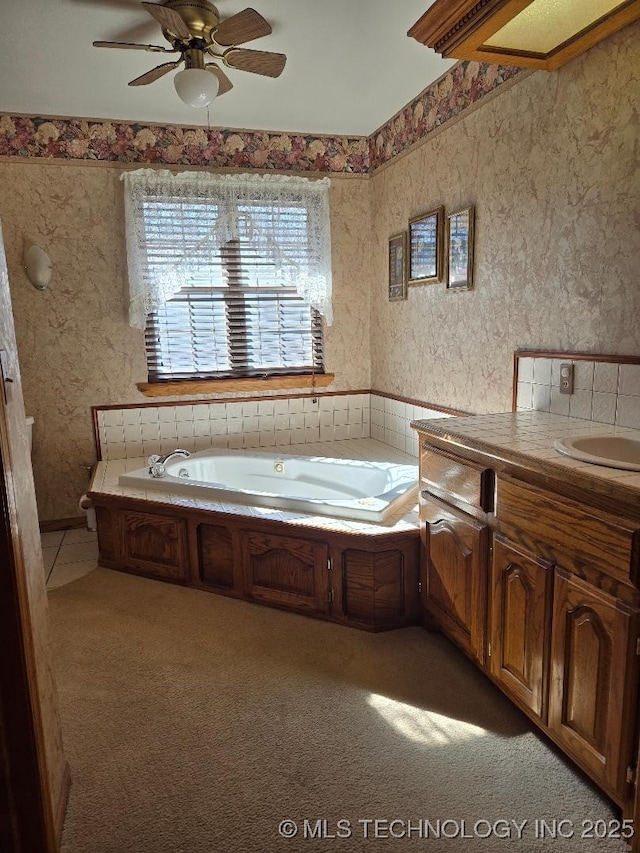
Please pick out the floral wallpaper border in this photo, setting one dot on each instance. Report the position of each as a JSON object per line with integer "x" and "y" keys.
{"x": 461, "y": 87}
{"x": 112, "y": 141}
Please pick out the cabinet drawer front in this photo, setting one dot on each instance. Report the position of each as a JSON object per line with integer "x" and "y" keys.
{"x": 565, "y": 532}
{"x": 452, "y": 477}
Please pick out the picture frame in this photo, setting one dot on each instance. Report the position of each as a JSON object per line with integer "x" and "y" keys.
{"x": 398, "y": 267}
{"x": 426, "y": 247}
{"x": 460, "y": 233}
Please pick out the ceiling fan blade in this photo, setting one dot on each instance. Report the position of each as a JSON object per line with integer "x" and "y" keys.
{"x": 137, "y": 34}
{"x": 256, "y": 61}
{"x": 155, "y": 73}
{"x": 169, "y": 19}
{"x": 243, "y": 27}
{"x": 152, "y": 48}
{"x": 224, "y": 84}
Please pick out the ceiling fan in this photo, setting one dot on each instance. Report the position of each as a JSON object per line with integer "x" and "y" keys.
{"x": 194, "y": 30}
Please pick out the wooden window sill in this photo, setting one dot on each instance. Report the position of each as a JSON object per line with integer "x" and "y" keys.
{"x": 224, "y": 386}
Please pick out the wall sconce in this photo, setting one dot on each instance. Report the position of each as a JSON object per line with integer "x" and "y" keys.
{"x": 38, "y": 266}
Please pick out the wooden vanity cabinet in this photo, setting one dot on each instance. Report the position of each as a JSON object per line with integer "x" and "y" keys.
{"x": 551, "y": 582}
{"x": 590, "y": 620}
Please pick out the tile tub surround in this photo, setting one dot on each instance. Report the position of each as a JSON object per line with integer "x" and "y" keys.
{"x": 275, "y": 422}
{"x": 391, "y": 421}
{"x": 105, "y": 482}
{"x": 604, "y": 391}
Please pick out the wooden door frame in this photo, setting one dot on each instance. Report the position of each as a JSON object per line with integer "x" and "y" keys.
{"x": 29, "y": 827}
{"x": 34, "y": 777}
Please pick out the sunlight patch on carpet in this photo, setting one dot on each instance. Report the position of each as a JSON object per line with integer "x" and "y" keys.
{"x": 423, "y": 726}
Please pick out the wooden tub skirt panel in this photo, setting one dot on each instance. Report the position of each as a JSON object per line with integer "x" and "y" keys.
{"x": 367, "y": 580}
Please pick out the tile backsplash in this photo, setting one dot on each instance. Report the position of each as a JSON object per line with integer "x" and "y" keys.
{"x": 603, "y": 391}
{"x": 269, "y": 422}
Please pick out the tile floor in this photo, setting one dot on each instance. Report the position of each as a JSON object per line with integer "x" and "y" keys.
{"x": 68, "y": 555}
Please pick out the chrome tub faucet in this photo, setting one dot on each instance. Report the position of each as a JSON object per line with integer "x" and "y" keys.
{"x": 156, "y": 463}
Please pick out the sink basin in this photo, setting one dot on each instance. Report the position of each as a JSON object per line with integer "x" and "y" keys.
{"x": 614, "y": 451}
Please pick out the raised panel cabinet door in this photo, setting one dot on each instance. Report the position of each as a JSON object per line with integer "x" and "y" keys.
{"x": 592, "y": 699}
{"x": 106, "y": 533}
{"x": 216, "y": 556}
{"x": 380, "y": 589}
{"x": 520, "y": 598}
{"x": 154, "y": 545}
{"x": 286, "y": 570}
{"x": 456, "y": 549}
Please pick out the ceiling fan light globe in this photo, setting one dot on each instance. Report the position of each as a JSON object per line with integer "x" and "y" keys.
{"x": 196, "y": 87}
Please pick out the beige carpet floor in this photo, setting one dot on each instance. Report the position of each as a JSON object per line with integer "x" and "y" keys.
{"x": 197, "y": 723}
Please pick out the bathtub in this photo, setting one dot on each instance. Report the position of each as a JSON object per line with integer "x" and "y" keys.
{"x": 340, "y": 488}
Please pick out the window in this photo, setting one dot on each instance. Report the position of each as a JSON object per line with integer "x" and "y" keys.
{"x": 226, "y": 275}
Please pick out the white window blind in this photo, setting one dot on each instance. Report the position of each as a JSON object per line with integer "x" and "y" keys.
{"x": 221, "y": 277}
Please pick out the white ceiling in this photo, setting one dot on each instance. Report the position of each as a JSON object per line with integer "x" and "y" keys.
{"x": 350, "y": 65}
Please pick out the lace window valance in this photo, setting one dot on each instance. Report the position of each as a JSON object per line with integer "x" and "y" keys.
{"x": 283, "y": 218}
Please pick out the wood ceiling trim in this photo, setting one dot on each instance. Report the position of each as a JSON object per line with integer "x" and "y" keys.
{"x": 446, "y": 26}
{"x": 459, "y": 29}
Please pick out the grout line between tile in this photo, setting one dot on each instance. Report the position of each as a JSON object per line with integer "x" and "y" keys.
{"x": 53, "y": 565}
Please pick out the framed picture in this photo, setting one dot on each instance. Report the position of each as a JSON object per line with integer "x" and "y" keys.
{"x": 398, "y": 266}
{"x": 426, "y": 249}
{"x": 460, "y": 249}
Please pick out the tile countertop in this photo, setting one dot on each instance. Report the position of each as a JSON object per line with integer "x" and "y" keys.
{"x": 525, "y": 440}
{"x": 105, "y": 483}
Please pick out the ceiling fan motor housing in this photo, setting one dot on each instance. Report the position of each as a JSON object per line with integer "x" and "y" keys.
{"x": 200, "y": 16}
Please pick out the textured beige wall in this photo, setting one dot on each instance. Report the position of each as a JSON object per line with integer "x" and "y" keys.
{"x": 76, "y": 349}
{"x": 553, "y": 167}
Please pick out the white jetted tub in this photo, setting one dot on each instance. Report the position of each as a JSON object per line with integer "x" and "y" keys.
{"x": 341, "y": 488}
